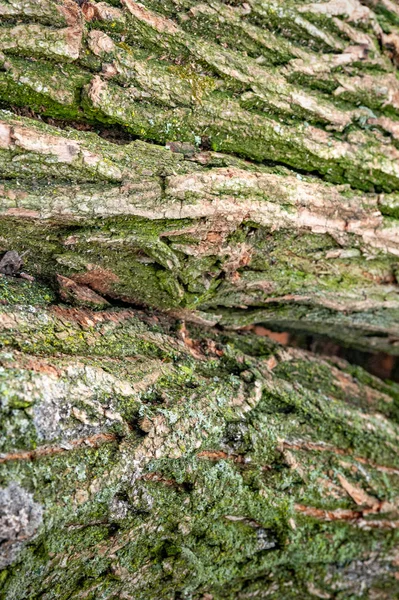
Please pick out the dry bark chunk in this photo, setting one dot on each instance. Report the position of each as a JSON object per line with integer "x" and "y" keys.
{"x": 79, "y": 294}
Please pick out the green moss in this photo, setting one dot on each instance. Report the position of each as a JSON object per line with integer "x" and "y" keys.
{"x": 44, "y": 90}
{"x": 18, "y": 291}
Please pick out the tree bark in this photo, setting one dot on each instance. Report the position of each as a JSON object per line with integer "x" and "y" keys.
{"x": 172, "y": 174}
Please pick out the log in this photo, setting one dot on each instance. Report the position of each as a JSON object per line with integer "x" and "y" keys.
{"x": 146, "y": 459}
{"x": 177, "y": 178}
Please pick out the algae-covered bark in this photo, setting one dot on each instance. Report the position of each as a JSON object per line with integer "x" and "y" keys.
{"x": 146, "y": 459}
{"x": 173, "y": 172}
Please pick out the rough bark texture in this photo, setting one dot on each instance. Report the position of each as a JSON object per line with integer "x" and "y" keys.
{"x": 142, "y": 459}
{"x": 176, "y": 172}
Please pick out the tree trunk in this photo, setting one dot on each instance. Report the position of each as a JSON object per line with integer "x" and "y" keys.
{"x": 177, "y": 173}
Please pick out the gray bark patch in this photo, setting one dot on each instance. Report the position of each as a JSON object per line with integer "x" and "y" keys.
{"x": 20, "y": 518}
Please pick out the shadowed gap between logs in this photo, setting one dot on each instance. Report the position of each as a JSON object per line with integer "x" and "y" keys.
{"x": 380, "y": 364}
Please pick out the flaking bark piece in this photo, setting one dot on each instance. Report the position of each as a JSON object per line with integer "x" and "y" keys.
{"x": 11, "y": 263}
{"x": 188, "y": 150}
{"x": 80, "y": 295}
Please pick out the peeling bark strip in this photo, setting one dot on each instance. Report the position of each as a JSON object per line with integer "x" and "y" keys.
{"x": 346, "y": 515}
{"x": 214, "y": 164}
{"x": 320, "y": 447}
{"x": 234, "y": 193}
{"x": 94, "y": 442}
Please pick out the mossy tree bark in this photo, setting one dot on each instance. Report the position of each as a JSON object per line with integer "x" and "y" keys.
{"x": 177, "y": 171}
